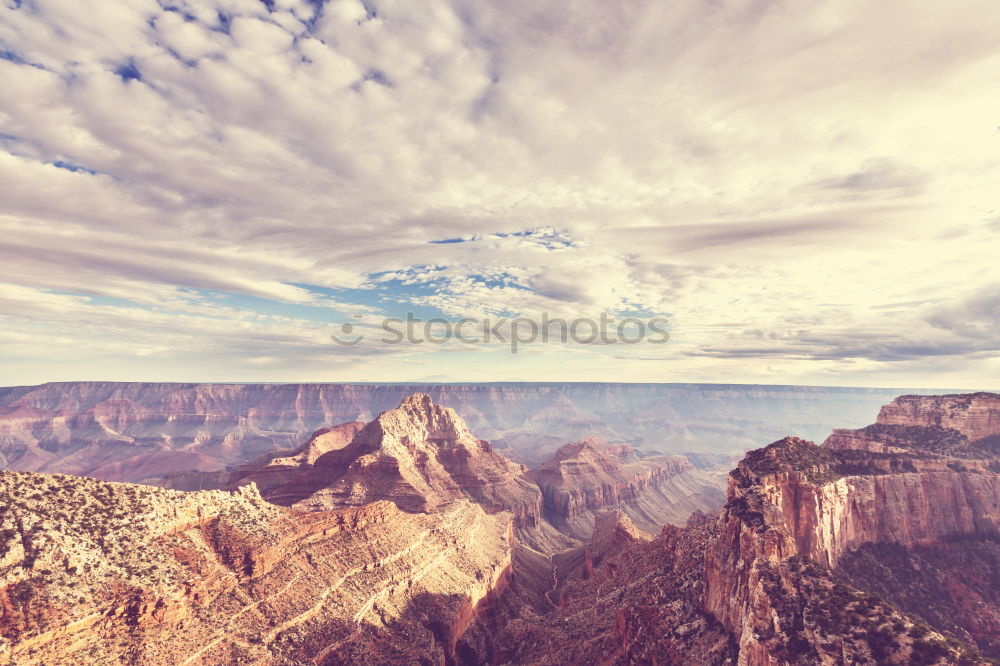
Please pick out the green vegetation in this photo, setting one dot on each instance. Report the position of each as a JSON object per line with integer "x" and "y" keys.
{"x": 933, "y": 439}
{"x": 920, "y": 581}
{"x": 793, "y": 455}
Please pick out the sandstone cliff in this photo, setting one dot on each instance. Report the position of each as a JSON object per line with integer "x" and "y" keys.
{"x": 880, "y": 547}
{"x": 103, "y": 573}
{"x": 974, "y": 415}
{"x": 421, "y": 454}
{"x": 793, "y": 504}
{"x": 639, "y": 603}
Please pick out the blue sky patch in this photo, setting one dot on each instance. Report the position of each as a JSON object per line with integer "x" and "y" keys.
{"x": 128, "y": 71}
{"x": 75, "y": 168}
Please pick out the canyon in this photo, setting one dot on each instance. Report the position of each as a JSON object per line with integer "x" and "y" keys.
{"x": 386, "y": 541}
{"x": 407, "y": 539}
{"x": 421, "y": 455}
{"x": 141, "y": 431}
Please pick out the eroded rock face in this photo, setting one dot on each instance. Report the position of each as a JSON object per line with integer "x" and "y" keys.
{"x": 794, "y": 503}
{"x": 420, "y": 456}
{"x": 614, "y": 532}
{"x": 101, "y": 573}
{"x": 638, "y": 603}
{"x": 285, "y": 469}
{"x": 590, "y": 476}
{"x": 408, "y": 553}
{"x": 975, "y": 415}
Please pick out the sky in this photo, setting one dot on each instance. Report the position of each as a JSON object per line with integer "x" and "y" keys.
{"x": 207, "y": 190}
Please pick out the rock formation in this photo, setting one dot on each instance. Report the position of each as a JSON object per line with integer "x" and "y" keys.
{"x": 794, "y": 504}
{"x": 974, "y": 415}
{"x": 408, "y": 541}
{"x": 419, "y": 456}
{"x": 102, "y": 573}
{"x": 592, "y": 475}
{"x": 639, "y": 604}
{"x": 135, "y": 432}
{"x": 283, "y": 469}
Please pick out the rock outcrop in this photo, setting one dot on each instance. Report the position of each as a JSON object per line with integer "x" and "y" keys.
{"x": 397, "y": 542}
{"x": 613, "y": 533}
{"x": 591, "y": 475}
{"x": 419, "y": 456}
{"x": 639, "y": 604}
{"x": 139, "y": 431}
{"x": 274, "y": 473}
{"x": 794, "y": 504}
{"x": 974, "y": 415}
{"x": 101, "y": 573}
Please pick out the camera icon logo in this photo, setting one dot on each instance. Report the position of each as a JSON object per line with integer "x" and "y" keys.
{"x": 347, "y": 337}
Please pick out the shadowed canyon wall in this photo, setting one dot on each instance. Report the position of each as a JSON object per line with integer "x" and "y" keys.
{"x": 925, "y": 472}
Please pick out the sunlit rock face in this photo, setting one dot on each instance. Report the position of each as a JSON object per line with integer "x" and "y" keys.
{"x": 926, "y": 473}
{"x": 974, "y": 415}
{"x": 133, "y": 432}
{"x": 421, "y": 456}
{"x": 100, "y": 573}
{"x": 408, "y": 540}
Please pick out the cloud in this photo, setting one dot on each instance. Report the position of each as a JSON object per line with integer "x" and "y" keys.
{"x": 736, "y": 165}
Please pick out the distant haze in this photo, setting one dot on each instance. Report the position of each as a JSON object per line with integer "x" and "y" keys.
{"x": 137, "y": 431}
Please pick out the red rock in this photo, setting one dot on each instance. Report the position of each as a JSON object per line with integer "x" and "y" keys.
{"x": 420, "y": 456}
{"x": 94, "y": 572}
{"x": 592, "y": 475}
{"x": 796, "y": 500}
{"x": 975, "y": 415}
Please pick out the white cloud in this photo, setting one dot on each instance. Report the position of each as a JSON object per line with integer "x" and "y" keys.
{"x": 775, "y": 177}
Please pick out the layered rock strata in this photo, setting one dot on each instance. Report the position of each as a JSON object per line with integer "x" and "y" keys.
{"x": 284, "y": 469}
{"x": 974, "y": 415}
{"x": 103, "y": 573}
{"x": 640, "y": 603}
{"x": 590, "y": 476}
{"x": 793, "y": 504}
{"x": 419, "y": 456}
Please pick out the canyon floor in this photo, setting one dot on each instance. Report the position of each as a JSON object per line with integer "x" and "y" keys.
{"x": 408, "y": 540}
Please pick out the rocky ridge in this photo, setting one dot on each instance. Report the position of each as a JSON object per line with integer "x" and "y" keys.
{"x": 104, "y": 573}
{"x": 974, "y": 415}
{"x": 639, "y": 604}
{"x": 420, "y": 455}
{"x": 822, "y": 555}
